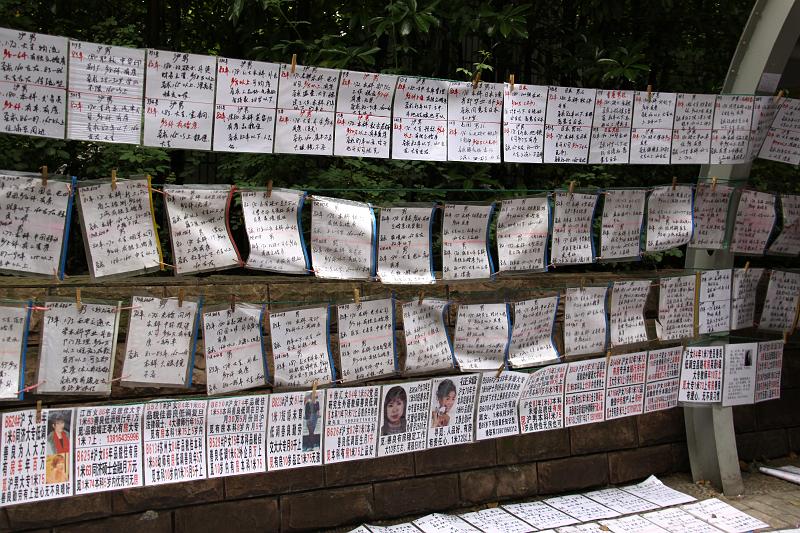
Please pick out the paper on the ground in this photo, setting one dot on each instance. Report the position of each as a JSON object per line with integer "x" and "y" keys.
{"x": 654, "y": 491}
{"x": 300, "y": 347}
{"x": 465, "y": 242}
{"x": 651, "y": 136}
{"x": 108, "y": 448}
{"x": 405, "y": 246}
{"x": 452, "y": 410}
{"x": 621, "y": 227}
{"x": 474, "y": 120}
{"x": 611, "y": 129}
{"x": 364, "y": 114}
{"x": 106, "y": 87}
{"x": 274, "y": 231}
{"x": 198, "y": 226}
{"x": 34, "y": 221}
{"x": 714, "y": 310}
{"x": 663, "y": 373}
{"x": 626, "y": 317}
{"x": 443, "y": 523}
{"x": 788, "y": 241}
{"x": 541, "y": 401}
{"x": 675, "y": 308}
{"x": 419, "y": 119}
{"x": 351, "y": 423}
{"x": 77, "y": 348}
{"x": 496, "y": 520}
{"x": 481, "y": 336}
{"x": 691, "y": 130}
{"x": 625, "y": 385}
{"x": 522, "y": 231}
{"x": 784, "y": 473}
{"x": 33, "y": 70}
{"x": 669, "y": 218}
{"x": 739, "y": 374}
{"x": 539, "y": 514}
{"x": 236, "y": 430}
{"x": 730, "y": 140}
{"x": 404, "y": 417}
{"x": 306, "y": 101}
{"x": 572, "y": 229}
{"x": 523, "y": 123}
{"x": 585, "y": 395}
{"x": 342, "y": 239}
{"x": 585, "y": 324}
{"x": 581, "y": 508}
{"x": 497, "y": 404}
{"x": 294, "y": 429}
{"x": 743, "y": 297}
{"x": 755, "y": 218}
{"x": 620, "y": 501}
{"x": 179, "y": 100}
{"x": 160, "y": 342}
{"x": 397, "y": 528}
{"x": 781, "y": 301}
{"x": 118, "y": 228}
{"x": 235, "y": 357}
{"x": 631, "y": 524}
{"x": 768, "y": 372}
{"x": 428, "y": 346}
{"x": 676, "y": 519}
{"x": 701, "y": 374}
{"x": 174, "y": 441}
{"x": 725, "y": 517}
{"x": 532, "y": 336}
{"x": 14, "y": 323}
{"x": 782, "y": 142}
{"x": 366, "y": 339}
{"x": 247, "y": 95}
{"x": 711, "y": 206}
{"x": 568, "y": 124}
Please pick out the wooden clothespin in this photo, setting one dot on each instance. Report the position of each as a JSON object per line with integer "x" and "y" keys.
{"x": 356, "y": 295}
{"x": 314, "y": 390}
{"x": 583, "y": 282}
{"x": 649, "y": 93}
{"x": 78, "y": 302}
{"x": 674, "y": 182}
{"x": 421, "y": 296}
{"x": 476, "y": 80}
{"x": 44, "y": 175}
{"x": 608, "y": 356}
{"x": 113, "y": 179}
{"x": 294, "y": 63}
{"x": 269, "y": 188}
{"x": 500, "y": 370}
{"x": 713, "y": 184}
{"x": 233, "y": 302}
{"x": 778, "y": 96}
{"x": 572, "y": 187}
{"x": 181, "y": 296}
{"x": 746, "y": 267}
{"x": 38, "y": 411}
{"x": 511, "y": 82}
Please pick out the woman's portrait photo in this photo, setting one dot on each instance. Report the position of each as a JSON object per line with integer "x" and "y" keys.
{"x": 58, "y": 447}
{"x": 394, "y": 411}
{"x": 443, "y": 403}
{"x": 311, "y": 422}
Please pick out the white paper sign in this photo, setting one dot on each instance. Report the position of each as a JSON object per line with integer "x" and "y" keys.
{"x": 108, "y": 448}
{"x": 294, "y": 429}
{"x": 497, "y": 405}
{"x": 179, "y": 100}
{"x": 34, "y": 224}
{"x": 78, "y": 347}
{"x": 627, "y": 322}
{"x": 739, "y": 374}
{"x": 691, "y": 133}
{"x": 14, "y": 323}
{"x": 428, "y": 346}
{"x": 419, "y": 119}
{"x": 174, "y": 441}
{"x": 306, "y": 101}
{"x": 730, "y": 140}
{"x": 106, "y": 89}
{"x": 651, "y": 137}
{"x": 522, "y": 232}
{"x": 496, "y": 520}
{"x": 198, "y": 227}
{"x": 405, "y": 245}
{"x": 669, "y": 218}
{"x": 532, "y": 341}
{"x": 235, "y": 358}
{"x": 300, "y": 347}
{"x": 161, "y": 342}
{"x": 711, "y": 204}
{"x": 675, "y": 308}
{"x": 580, "y": 507}
{"x": 755, "y": 218}
{"x": 37, "y": 456}
{"x": 764, "y": 110}
{"x": 539, "y": 514}
{"x": 585, "y": 325}
{"x": 541, "y": 402}
{"x": 366, "y": 339}
{"x": 743, "y": 297}
{"x": 768, "y": 371}
{"x": 654, "y": 491}
{"x": 631, "y": 524}
{"x": 663, "y": 373}
{"x": 780, "y": 304}
{"x": 364, "y": 114}
{"x": 584, "y": 399}
{"x": 342, "y": 239}
{"x": 482, "y": 336}
{"x": 782, "y": 142}
{"x": 701, "y": 374}
{"x": 33, "y": 81}
{"x": 620, "y": 501}
{"x": 236, "y": 430}
{"x": 523, "y": 123}
{"x": 621, "y": 229}
{"x": 625, "y": 379}
{"x": 247, "y": 94}
{"x": 714, "y": 310}
{"x": 443, "y": 523}
{"x": 611, "y": 130}
{"x": 465, "y": 242}
{"x": 572, "y": 242}
{"x": 788, "y": 241}
{"x": 274, "y": 231}
{"x": 676, "y": 519}
{"x": 474, "y": 118}
{"x": 119, "y": 228}
{"x": 351, "y": 423}
{"x": 404, "y": 417}
{"x": 725, "y": 517}
{"x": 568, "y": 124}
{"x": 452, "y": 410}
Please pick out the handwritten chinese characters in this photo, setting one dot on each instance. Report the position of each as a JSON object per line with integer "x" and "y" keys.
{"x": 572, "y": 229}
{"x": 711, "y": 204}
{"x": 351, "y": 424}
{"x": 714, "y": 310}
{"x": 174, "y": 441}
{"x": 342, "y": 239}
{"x": 532, "y": 336}
{"x": 452, "y": 410}
{"x": 621, "y": 228}
{"x": 541, "y": 401}
{"x": 585, "y": 320}
{"x": 611, "y": 131}
{"x": 294, "y": 429}
{"x": 743, "y": 297}
{"x": 755, "y": 218}
{"x": 364, "y": 114}
{"x": 701, "y": 374}
{"x": 788, "y": 241}
{"x": 627, "y": 324}
{"x": 669, "y": 218}
{"x": 481, "y": 336}
{"x": 568, "y": 124}
{"x": 366, "y": 339}
{"x": 651, "y": 136}
{"x": 419, "y": 120}
{"x": 300, "y": 347}
{"x": 473, "y": 122}
{"x": 523, "y": 123}
{"x": 584, "y": 399}
{"x": 782, "y": 142}
{"x": 404, "y": 245}
{"x": 522, "y": 232}
{"x": 730, "y": 140}
{"x": 780, "y": 304}
{"x": 306, "y": 101}
{"x": 691, "y": 129}
{"x": 14, "y": 321}
{"x": 465, "y": 242}
{"x": 427, "y": 343}
{"x": 676, "y": 308}
{"x": 236, "y": 431}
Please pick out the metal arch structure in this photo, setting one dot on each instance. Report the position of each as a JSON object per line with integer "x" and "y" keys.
{"x": 766, "y": 44}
